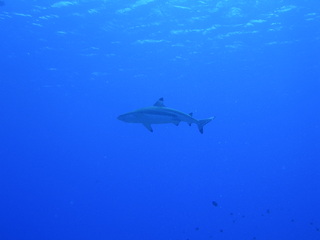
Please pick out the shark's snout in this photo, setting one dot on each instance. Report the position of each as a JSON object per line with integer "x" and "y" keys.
{"x": 120, "y": 117}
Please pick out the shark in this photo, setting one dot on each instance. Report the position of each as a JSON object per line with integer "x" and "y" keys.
{"x": 160, "y": 114}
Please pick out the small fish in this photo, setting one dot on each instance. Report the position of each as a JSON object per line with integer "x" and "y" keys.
{"x": 214, "y": 203}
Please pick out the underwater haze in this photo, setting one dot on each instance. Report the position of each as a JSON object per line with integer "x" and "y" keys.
{"x": 69, "y": 169}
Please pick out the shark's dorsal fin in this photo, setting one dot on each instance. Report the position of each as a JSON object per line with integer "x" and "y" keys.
{"x": 159, "y": 103}
{"x": 191, "y": 114}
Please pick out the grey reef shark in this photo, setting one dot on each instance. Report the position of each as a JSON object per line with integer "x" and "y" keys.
{"x": 159, "y": 114}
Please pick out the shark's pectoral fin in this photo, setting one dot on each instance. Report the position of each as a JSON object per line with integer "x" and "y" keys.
{"x": 148, "y": 126}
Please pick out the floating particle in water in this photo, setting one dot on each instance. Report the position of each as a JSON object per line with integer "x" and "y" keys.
{"x": 214, "y": 203}
{"x": 197, "y": 229}
{"x": 318, "y": 229}
{"x": 292, "y": 220}
{"x": 221, "y": 230}
{"x": 268, "y": 211}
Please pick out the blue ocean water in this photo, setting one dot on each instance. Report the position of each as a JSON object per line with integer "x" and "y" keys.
{"x": 70, "y": 170}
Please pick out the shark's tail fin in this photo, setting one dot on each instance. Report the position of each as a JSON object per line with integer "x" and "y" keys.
{"x": 203, "y": 122}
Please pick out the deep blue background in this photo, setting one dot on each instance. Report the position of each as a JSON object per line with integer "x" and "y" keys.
{"x": 70, "y": 170}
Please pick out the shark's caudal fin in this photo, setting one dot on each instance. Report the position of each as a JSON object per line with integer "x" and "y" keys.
{"x": 203, "y": 122}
